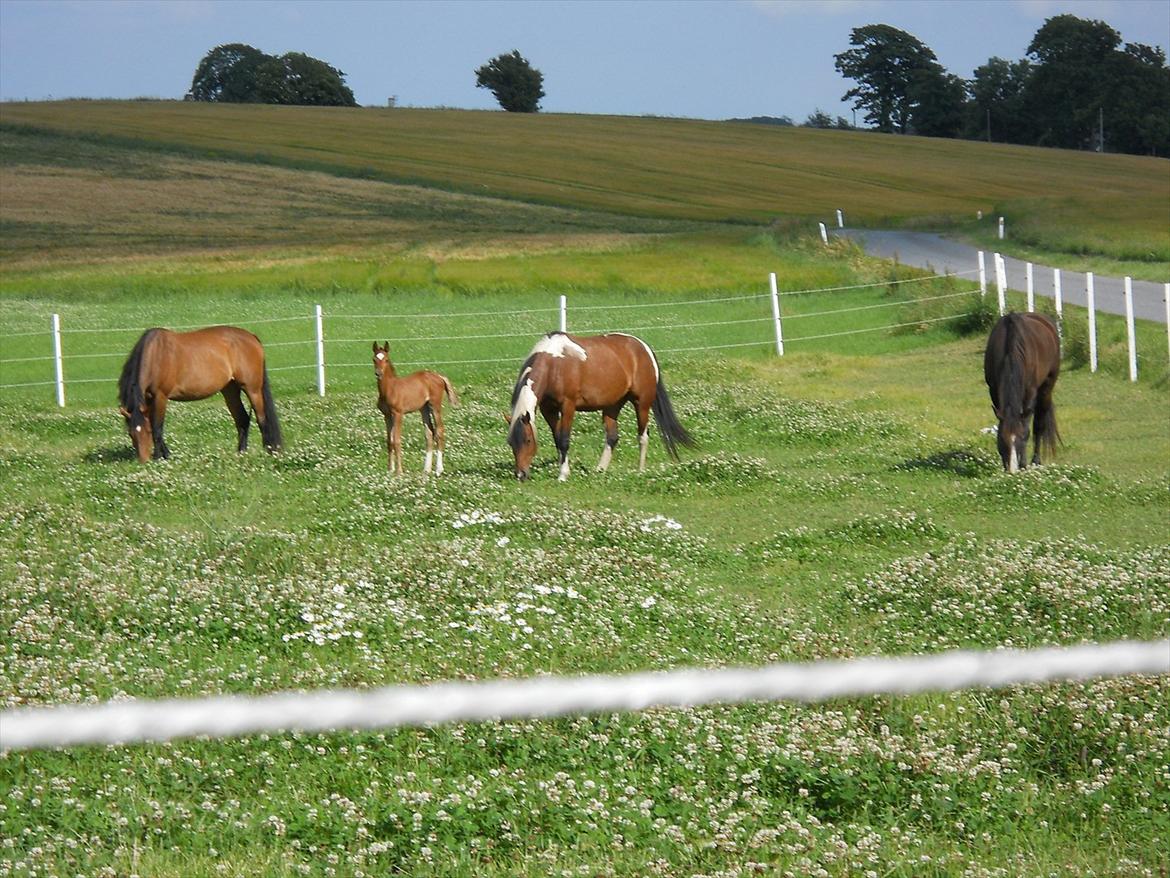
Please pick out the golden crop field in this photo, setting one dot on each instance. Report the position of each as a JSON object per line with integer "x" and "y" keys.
{"x": 657, "y": 167}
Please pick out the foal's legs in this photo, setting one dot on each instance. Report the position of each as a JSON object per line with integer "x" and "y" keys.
{"x": 231, "y": 395}
{"x": 439, "y": 432}
{"x": 609, "y": 417}
{"x": 158, "y": 414}
{"x": 396, "y": 440}
{"x": 389, "y": 413}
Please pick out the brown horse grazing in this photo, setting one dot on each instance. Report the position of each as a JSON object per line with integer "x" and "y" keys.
{"x": 420, "y": 391}
{"x": 1020, "y": 366}
{"x": 566, "y": 374}
{"x": 184, "y": 366}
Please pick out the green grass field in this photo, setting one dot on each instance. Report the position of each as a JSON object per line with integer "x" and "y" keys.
{"x": 842, "y": 502}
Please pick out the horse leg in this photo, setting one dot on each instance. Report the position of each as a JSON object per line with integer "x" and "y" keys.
{"x": 390, "y": 440}
{"x": 643, "y": 410}
{"x": 231, "y": 395}
{"x": 158, "y": 414}
{"x": 397, "y": 441}
{"x": 561, "y": 437}
{"x": 440, "y": 434}
{"x": 428, "y": 419}
{"x": 1043, "y": 421}
{"x": 609, "y": 418}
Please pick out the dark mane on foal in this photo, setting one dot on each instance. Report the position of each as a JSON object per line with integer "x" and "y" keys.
{"x": 129, "y": 390}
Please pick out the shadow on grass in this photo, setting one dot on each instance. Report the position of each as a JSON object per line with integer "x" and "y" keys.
{"x": 110, "y": 454}
{"x": 958, "y": 462}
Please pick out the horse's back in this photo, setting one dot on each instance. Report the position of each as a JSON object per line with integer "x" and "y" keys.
{"x": 200, "y": 362}
{"x": 618, "y": 366}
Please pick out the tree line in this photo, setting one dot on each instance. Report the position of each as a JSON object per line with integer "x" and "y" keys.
{"x": 1079, "y": 87}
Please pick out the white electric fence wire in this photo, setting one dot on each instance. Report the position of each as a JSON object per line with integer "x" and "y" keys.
{"x": 329, "y": 710}
{"x": 878, "y": 328}
{"x": 577, "y": 309}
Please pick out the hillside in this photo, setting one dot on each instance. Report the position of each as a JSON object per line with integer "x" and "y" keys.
{"x": 665, "y": 168}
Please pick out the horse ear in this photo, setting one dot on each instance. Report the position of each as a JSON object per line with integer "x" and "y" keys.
{"x": 527, "y": 418}
{"x": 124, "y": 411}
{"x": 375, "y": 347}
{"x": 998, "y": 412}
{"x": 507, "y": 420}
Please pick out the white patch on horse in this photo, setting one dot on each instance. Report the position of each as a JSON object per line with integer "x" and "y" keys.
{"x": 438, "y": 463}
{"x": 564, "y": 471}
{"x": 379, "y": 356}
{"x": 427, "y": 462}
{"x": 559, "y": 345}
{"x": 650, "y": 353}
{"x": 1013, "y": 462}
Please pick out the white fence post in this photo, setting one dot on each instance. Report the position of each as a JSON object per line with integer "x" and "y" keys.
{"x": 824, "y": 233}
{"x": 564, "y": 313}
{"x": 776, "y": 315}
{"x": 320, "y": 354}
{"x": 840, "y": 219}
{"x": 1001, "y": 283}
{"x": 1057, "y": 295}
{"x": 1131, "y": 339}
{"x": 57, "y": 360}
{"x": 1001, "y": 228}
{"x": 1091, "y": 302}
{"x": 1166, "y": 302}
{"x": 1030, "y": 288}
{"x": 982, "y": 274}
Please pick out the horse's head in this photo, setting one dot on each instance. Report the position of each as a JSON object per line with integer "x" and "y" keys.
{"x": 381, "y": 360}
{"x": 521, "y": 430}
{"x": 138, "y": 427}
{"x": 1012, "y": 439}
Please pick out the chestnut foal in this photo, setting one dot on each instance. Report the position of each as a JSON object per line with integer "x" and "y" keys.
{"x": 420, "y": 391}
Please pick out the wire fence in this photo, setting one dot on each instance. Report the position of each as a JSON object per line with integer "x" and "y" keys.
{"x": 75, "y": 356}
{"x": 543, "y": 697}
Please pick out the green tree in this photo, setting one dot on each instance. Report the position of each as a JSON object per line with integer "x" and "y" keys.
{"x": 937, "y": 102}
{"x": 228, "y": 73}
{"x": 1066, "y": 90}
{"x": 297, "y": 78}
{"x": 516, "y": 84}
{"x": 238, "y": 73}
{"x": 1136, "y": 101}
{"x": 885, "y": 63}
{"x": 996, "y": 110}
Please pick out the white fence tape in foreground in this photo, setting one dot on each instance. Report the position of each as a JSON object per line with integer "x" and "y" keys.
{"x": 127, "y": 722}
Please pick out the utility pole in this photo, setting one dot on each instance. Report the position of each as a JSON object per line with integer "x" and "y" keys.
{"x": 1101, "y": 129}
{"x": 989, "y": 124}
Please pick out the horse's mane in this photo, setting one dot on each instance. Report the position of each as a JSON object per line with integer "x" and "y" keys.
{"x": 524, "y": 370}
{"x": 1011, "y": 371}
{"x": 129, "y": 389}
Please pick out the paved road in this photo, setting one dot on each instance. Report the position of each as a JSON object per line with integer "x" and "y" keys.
{"x": 925, "y": 250}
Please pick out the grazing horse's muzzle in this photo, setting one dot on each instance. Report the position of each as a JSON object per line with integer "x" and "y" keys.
{"x": 522, "y": 475}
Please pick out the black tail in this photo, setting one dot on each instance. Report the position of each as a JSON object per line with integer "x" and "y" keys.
{"x": 270, "y": 429}
{"x": 1047, "y": 435}
{"x": 428, "y": 416}
{"x": 129, "y": 389}
{"x": 673, "y": 433}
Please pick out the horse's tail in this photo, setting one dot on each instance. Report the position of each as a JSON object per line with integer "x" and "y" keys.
{"x": 130, "y": 395}
{"x": 673, "y": 432}
{"x": 1047, "y": 433}
{"x": 451, "y": 395}
{"x": 270, "y": 429}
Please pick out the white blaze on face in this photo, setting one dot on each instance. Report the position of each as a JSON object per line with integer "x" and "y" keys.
{"x": 1013, "y": 462}
{"x": 559, "y": 345}
{"x": 379, "y": 356}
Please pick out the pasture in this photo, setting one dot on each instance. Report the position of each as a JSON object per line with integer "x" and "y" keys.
{"x": 843, "y": 501}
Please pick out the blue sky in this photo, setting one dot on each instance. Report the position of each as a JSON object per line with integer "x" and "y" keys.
{"x": 694, "y": 58}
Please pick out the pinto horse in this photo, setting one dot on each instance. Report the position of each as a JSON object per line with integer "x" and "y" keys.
{"x": 1020, "y": 366}
{"x": 419, "y": 391}
{"x": 565, "y": 374}
{"x": 185, "y": 366}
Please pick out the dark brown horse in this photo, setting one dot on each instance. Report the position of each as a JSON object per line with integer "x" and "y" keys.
{"x": 1020, "y": 366}
{"x": 419, "y": 391}
{"x": 184, "y": 366}
{"x": 566, "y": 374}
